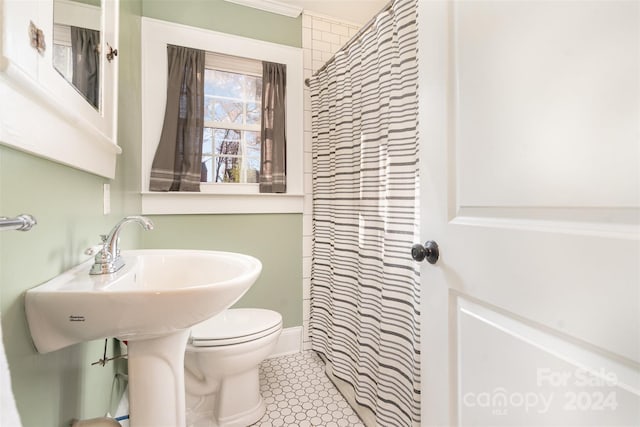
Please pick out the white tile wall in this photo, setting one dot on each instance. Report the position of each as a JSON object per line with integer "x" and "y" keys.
{"x": 322, "y": 37}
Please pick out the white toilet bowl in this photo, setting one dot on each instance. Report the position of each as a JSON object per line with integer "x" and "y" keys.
{"x": 221, "y": 367}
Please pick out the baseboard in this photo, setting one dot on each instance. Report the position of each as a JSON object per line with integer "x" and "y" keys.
{"x": 289, "y": 342}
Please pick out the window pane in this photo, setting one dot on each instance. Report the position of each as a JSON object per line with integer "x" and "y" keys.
{"x": 222, "y": 84}
{"x": 207, "y": 141}
{"x": 254, "y": 113}
{"x": 253, "y": 169}
{"x": 227, "y": 141}
{"x": 222, "y": 110}
{"x": 207, "y": 169}
{"x": 227, "y": 169}
{"x": 253, "y": 89}
{"x": 252, "y": 143}
{"x": 207, "y": 155}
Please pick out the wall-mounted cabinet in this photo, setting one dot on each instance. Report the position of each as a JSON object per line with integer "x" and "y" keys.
{"x": 58, "y": 81}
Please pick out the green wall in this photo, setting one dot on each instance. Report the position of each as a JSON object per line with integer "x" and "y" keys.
{"x": 274, "y": 239}
{"x": 51, "y": 389}
{"x": 229, "y": 18}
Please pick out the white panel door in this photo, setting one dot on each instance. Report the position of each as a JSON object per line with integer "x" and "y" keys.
{"x": 530, "y": 152}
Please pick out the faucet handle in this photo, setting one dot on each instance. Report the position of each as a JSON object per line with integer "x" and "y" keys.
{"x": 95, "y": 249}
{"x": 92, "y": 250}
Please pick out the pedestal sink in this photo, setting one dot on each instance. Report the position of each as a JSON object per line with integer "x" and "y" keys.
{"x": 151, "y": 302}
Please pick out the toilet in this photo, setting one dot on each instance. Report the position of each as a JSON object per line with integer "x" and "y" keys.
{"x": 221, "y": 367}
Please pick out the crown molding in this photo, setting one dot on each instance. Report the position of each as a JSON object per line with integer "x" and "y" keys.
{"x": 272, "y": 6}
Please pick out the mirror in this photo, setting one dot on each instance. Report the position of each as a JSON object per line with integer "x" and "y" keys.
{"x": 77, "y": 45}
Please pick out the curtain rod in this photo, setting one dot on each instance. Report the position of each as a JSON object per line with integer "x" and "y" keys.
{"x": 351, "y": 40}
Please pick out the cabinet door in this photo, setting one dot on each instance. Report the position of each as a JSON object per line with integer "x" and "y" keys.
{"x": 102, "y": 116}
{"x": 41, "y": 112}
{"x": 15, "y": 47}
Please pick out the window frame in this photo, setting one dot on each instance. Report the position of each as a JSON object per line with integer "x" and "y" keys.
{"x": 219, "y": 198}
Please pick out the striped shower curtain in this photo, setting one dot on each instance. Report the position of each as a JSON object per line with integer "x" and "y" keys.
{"x": 365, "y": 288}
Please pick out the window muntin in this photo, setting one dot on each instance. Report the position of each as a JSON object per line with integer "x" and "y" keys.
{"x": 232, "y": 117}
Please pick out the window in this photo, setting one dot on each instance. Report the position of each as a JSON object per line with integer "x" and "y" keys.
{"x": 232, "y": 116}
{"x": 222, "y": 197}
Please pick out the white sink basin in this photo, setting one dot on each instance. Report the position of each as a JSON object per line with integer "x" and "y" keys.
{"x": 151, "y": 302}
{"x": 157, "y": 292}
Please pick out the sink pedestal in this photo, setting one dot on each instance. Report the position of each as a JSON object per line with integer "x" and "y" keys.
{"x": 156, "y": 381}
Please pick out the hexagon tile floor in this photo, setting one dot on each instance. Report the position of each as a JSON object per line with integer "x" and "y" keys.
{"x": 298, "y": 393}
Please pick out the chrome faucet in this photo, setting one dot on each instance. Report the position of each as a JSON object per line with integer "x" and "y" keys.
{"x": 108, "y": 259}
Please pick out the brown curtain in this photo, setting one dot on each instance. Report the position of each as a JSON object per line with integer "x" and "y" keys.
{"x": 85, "y": 51}
{"x": 177, "y": 163}
{"x": 273, "y": 165}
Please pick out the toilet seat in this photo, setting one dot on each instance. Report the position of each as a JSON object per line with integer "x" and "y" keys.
{"x": 235, "y": 326}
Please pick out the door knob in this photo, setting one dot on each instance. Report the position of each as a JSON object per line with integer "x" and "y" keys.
{"x": 429, "y": 251}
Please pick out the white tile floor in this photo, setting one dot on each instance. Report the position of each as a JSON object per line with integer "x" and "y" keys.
{"x": 298, "y": 393}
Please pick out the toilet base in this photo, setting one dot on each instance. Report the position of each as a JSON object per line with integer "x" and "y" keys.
{"x": 237, "y": 403}
{"x": 247, "y": 418}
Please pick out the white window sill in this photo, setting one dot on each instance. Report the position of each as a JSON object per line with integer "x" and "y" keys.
{"x": 187, "y": 203}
